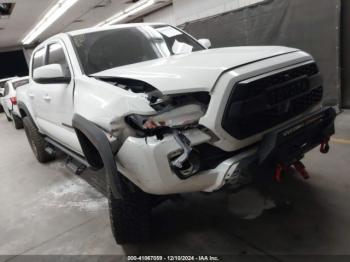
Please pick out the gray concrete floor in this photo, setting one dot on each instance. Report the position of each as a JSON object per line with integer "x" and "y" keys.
{"x": 46, "y": 210}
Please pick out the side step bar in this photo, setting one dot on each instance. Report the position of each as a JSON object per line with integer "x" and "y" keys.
{"x": 74, "y": 162}
{"x": 75, "y": 166}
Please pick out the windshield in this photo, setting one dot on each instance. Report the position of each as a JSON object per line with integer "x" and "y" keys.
{"x": 102, "y": 50}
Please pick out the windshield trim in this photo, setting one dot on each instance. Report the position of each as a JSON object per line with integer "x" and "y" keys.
{"x": 82, "y": 70}
{"x": 191, "y": 36}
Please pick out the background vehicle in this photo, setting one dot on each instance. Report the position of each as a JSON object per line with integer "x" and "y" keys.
{"x": 163, "y": 115}
{"x": 2, "y": 90}
{"x": 9, "y": 100}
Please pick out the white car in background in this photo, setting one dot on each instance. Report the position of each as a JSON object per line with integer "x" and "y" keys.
{"x": 2, "y": 89}
{"x": 9, "y": 100}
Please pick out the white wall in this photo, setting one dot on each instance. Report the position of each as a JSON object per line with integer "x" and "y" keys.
{"x": 189, "y": 10}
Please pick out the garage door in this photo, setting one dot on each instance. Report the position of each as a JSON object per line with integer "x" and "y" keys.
{"x": 345, "y": 53}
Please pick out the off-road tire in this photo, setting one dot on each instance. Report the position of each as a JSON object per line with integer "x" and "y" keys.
{"x": 36, "y": 141}
{"x": 130, "y": 217}
{"x": 17, "y": 122}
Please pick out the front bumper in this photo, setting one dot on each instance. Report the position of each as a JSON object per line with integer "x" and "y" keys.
{"x": 146, "y": 161}
{"x": 288, "y": 145}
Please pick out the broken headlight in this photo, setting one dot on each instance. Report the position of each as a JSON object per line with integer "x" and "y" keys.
{"x": 170, "y": 118}
{"x": 173, "y": 112}
{"x": 187, "y": 162}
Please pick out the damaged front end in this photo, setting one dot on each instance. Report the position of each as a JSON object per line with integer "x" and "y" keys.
{"x": 175, "y": 115}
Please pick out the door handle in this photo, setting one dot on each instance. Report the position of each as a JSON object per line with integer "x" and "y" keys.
{"x": 31, "y": 95}
{"x": 47, "y": 98}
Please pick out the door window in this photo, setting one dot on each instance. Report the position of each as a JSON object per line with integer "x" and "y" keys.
{"x": 56, "y": 56}
{"x": 39, "y": 58}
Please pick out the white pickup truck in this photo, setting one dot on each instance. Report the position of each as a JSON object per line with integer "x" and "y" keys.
{"x": 164, "y": 115}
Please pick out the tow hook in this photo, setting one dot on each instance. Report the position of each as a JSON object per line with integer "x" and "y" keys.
{"x": 324, "y": 149}
{"x": 185, "y": 144}
{"x": 299, "y": 166}
{"x": 278, "y": 172}
{"x": 188, "y": 163}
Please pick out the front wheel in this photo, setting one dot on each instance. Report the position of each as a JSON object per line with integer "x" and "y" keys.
{"x": 36, "y": 141}
{"x": 130, "y": 217}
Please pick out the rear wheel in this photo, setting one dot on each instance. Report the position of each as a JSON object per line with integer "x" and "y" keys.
{"x": 36, "y": 141}
{"x": 130, "y": 217}
{"x": 17, "y": 122}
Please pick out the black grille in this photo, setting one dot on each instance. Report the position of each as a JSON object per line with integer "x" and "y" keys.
{"x": 257, "y": 105}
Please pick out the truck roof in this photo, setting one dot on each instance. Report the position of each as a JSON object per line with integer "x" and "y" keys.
{"x": 104, "y": 28}
{"x": 7, "y": 79}
{"x": 97, "y": 29}
{"x": 17, "y": 79}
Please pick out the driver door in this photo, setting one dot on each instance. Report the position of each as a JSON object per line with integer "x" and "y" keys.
{"x": 55, "y": 100}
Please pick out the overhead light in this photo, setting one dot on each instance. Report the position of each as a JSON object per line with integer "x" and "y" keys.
{"x": 132, "y": 10}
{"x": 6, "y": 9}
{"x": 51, "y": 16}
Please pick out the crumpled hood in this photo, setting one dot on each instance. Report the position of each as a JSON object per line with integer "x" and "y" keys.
{"x": 193, "y": 72}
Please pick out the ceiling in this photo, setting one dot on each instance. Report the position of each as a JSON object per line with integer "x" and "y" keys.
{"x": 27, "y": 13}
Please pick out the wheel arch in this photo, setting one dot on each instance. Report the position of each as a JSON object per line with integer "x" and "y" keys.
{"x": 24, "y": 111}
{"x": 91, "y": 153}
{"x": 97, "y": 149}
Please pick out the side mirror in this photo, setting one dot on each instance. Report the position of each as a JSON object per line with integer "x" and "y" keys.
{"x": 205, "y": 42}
{"x": 51, "y": 74}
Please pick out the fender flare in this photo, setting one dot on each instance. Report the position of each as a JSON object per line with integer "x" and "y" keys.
{"x": 99, "y": 139}
{"x": 22, "y": 106}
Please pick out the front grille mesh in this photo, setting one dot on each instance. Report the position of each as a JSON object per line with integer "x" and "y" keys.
{"x": 257, "y": 87}
{"x": 258, "y": 105}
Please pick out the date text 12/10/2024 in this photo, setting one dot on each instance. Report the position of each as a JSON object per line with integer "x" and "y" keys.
{"x": 173, "y": 258}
